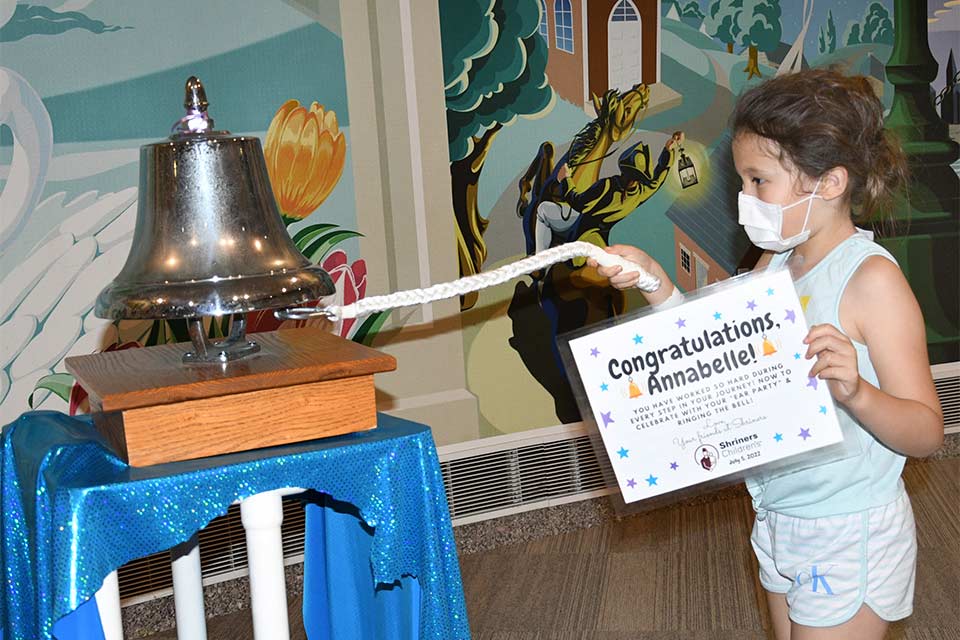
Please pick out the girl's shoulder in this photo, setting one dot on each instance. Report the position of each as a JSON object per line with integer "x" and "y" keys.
{"x": 866, "y": 267}
{"x": 877, "y": 293}
{"x": 858, "y": 254}
{"x": 867, "y": 263}
{"x": 875, "y": 275}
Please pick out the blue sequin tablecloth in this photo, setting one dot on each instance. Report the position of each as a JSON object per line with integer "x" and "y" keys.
{"x": 72, "y": 513}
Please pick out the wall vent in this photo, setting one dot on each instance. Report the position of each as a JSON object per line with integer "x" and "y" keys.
{"x": 947, "y": 379}
{"x": 484, "y": 479}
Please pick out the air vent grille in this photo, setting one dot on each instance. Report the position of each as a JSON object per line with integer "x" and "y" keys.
{"x": 949, "y": 392}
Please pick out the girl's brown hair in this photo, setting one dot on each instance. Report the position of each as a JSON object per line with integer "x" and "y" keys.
{"x": 822, "y": 119}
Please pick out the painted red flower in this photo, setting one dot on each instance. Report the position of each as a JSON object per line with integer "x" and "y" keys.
{"x": 350, "y": 281}
{"x": 263, "y": 320}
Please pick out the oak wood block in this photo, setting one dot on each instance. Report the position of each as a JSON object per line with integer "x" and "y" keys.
{"x": 304, "y": 384}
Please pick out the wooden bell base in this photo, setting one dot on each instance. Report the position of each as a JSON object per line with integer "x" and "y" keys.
{"x": 303, "y": 385}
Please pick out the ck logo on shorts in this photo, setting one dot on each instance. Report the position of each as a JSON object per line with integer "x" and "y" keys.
{"x": 816, "y": 579}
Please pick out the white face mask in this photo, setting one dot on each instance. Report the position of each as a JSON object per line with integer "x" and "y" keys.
{"x": 763, "y": 221}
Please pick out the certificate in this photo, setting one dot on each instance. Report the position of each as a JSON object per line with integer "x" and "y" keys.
{"x": 706, "y": 389}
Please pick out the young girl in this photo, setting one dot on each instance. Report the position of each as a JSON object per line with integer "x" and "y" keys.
{"x": 836, "y": 544}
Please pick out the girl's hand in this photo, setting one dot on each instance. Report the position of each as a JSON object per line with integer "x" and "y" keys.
{"x": 620, "y": 279}
{"x": 836, "y": 361}
{"x": 626, "y": 279}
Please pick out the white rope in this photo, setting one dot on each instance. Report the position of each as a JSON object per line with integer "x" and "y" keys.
{"x": 364, "y": 306}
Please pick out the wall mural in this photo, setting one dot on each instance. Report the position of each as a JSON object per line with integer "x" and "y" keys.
{"x": 73, "y": 116}
{"x": 605, "y": 121}
{"x": 599, "y": 120}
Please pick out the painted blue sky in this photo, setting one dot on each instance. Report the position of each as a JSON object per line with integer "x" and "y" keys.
{"x": 92, "y": 59}
{"x": 204, "y": 29}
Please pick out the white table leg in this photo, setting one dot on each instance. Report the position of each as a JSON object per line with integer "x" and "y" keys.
{"x": 262, "y": 515}
{"x": 108, "y": 604}
{"x": 188, "y": 591}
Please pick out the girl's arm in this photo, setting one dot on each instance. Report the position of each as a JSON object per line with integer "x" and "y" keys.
{"x": 627, "y": 280}
{"x": 880, "y": 310}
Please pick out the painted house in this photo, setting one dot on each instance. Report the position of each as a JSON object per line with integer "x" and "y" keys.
{"x": 597, "y": 45}
{"x": 874, "y": 71}
{"x": 709, "y": 243}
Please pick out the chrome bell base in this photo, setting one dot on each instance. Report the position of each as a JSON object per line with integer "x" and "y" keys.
{"x": 233, "y": 347}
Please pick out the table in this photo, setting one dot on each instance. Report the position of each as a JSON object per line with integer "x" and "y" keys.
{"x": 72, "y": 513}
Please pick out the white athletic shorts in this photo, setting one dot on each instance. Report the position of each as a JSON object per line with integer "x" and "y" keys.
{"x": 829, "y": 567}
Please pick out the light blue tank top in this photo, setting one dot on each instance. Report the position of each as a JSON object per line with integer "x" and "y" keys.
{"x": 871, "y": 477}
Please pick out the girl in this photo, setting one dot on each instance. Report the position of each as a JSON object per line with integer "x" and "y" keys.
{"x": 836, "y": 544}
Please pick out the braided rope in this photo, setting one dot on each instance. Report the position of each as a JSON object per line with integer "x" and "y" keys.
{"x": 475, "y": 282}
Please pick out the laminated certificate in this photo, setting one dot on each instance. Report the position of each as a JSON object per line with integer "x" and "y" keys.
{"x": 707, "y": 389}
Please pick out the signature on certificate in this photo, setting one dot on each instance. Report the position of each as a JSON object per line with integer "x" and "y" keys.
{"x": 710, "y": 429}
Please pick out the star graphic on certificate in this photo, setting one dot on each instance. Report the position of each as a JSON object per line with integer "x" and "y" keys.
{"x": 594, "y": 352}
{"x": 805, "y": 433}
{"x": 778, "y": 437}
{"x": 751, "y": 305}
{"x": 823, "y": 410}
{"x": 607, "y": 417}
{"x": 631, "y": 483}
{"x": 674, "y": 465}
{"x": 604, "y": 386}
{"x": 791, "y": 316}
{"x": 681, "y": 323}
{"x": 717, "y": 315}
{"x": 638, "y": 339}
{"x": 652, "y": 480}
{"x": 812, "y": 382}
{"x": 624, "y": 453}
{"x": 770, "y": 291}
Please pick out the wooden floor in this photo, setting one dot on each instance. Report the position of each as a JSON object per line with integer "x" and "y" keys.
{"x": 683, "y": 572}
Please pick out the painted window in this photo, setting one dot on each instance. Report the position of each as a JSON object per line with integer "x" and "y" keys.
{"x": 624, "y": 12}
{"x": 563, "y": 25}
{"x": 544, "y": 28}
{"x": 684, "y": 259}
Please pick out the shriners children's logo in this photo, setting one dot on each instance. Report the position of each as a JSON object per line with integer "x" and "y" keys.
{"x": 707, "y": 457}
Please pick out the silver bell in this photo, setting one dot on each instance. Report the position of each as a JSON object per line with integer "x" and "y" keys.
{"x": 209, "y": 239}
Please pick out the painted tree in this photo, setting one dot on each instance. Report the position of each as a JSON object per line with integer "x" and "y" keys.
{"x": 494, "y": 70}
{"x": 721, "y": 21}
{"x": 827, "y": 40}
{"x": 853, "y": 34}
{"x": 831, "y": 32}
{"x": 759, "y": 30}
{"x": 692, "y": 10}
{"x": 876, "y": 26}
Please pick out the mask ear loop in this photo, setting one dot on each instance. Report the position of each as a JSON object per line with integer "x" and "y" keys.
{"x": 810, "y": 198}
{"x": 795, "y": 261}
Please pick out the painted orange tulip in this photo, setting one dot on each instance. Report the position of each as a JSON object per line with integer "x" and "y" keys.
{"x": 305, "y": 152}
